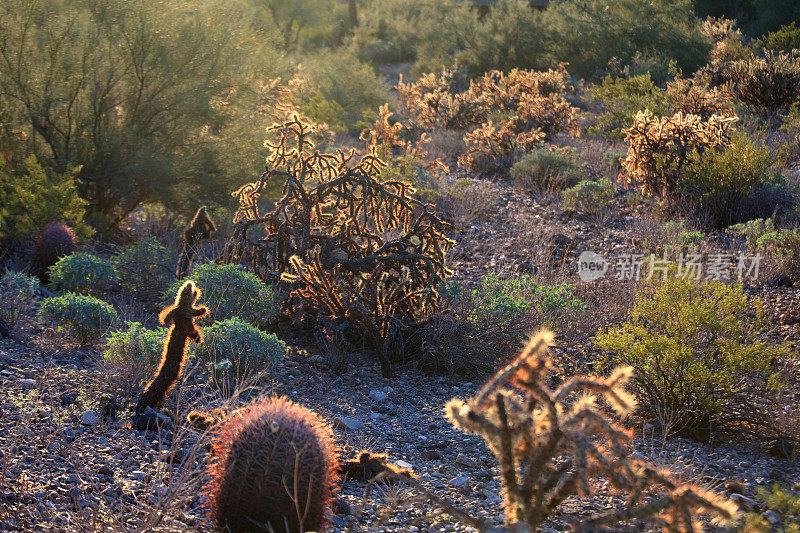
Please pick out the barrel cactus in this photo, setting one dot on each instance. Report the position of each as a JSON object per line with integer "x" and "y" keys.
{"x": 275, "y": 468}
{"x": 54, "y": 242}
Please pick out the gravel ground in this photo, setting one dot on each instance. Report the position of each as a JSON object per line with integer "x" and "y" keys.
{"x": 70, "y": 462}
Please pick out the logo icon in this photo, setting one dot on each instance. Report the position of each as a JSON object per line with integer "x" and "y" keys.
{"x": 591, "y": 266}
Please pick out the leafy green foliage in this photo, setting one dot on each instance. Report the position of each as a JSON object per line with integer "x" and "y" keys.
{"x": 722, "y": 179}
{"x": 230, "y": 291}
{"x": 547, "y": 169}
{"x": 783, "y": 503}
{"x": 86, "y": 318}
{"x": 784, "y": 39}
{"x": 695, "y": 351}
{"x": 17, "y": 295}
{"x": 589, "y": 34}
{"x": 134, "y": 343}
{"x": 622, "y": 98}
{"x": 147, "y": 121}
{"x": 512, "y": 297}
{"x": 145, "y": 268}
{"x": 589, "y": 196}
{"x": 235, "y": 349}
{"x": 84, "y": 273}
{"x": 34, "y": 196}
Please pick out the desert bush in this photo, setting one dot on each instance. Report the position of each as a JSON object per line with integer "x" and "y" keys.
{"x": 547, "y": 169}
{"x": 429, "y": 32}
{"x": 84, "y": 273}
{"x": 34, "y": 196}
{"x": 590, "y": 34}
{"x": 784, "y": 246}
{"x": 236, "y": 350}
{"x": 727, "y": 39}
{"x": 230, "y": 291}
{"x": 784, "y": 39}
{"x": 696, "y": 353}
{"x": 85, "y": 318}
{"x": 83, "y": 97}
{"x": 548, "y": 443}
{"x": 752, "y": 230}
{"x": 145, "y": 269}
{"x": 516, "y": 296}
{"x": 354, "y": 251}
{"x": 784, "y": 504}
{"x": 767, "y": 83}
{"x": 131, "y": 354}
{"x": 621, "y": 99}
{"x": 17, "y": 296}
{"x": 722, "y": 179}
{"x": 668, "y": 239}
{"x": 660, "y": 146}
{"x": 697, "y": 97}
{"x": 589, "y": 196}
{"x": 344, "y": 86}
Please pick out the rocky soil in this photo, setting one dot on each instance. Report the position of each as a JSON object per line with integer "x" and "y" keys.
{"x": 70, "y": 462}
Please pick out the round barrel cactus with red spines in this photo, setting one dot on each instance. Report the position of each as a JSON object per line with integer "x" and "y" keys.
{"x": 275, "y": 466}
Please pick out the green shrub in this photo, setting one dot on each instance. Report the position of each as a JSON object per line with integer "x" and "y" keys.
{"x": 230, "y": 291}
{"x": 235, "y": 349}
{"x": 589, "y": 34}
{"x": 783, "y": 502}
{"x": 784, "y": 39}
{"x": 766, "y": 83}
{"x": 86, "y": 318}
{"x": 547, "y": 169}
{"x": 17, "y": 295}
{"x": 589, "y": 196}
{"x": 752, "y": 230}
{"x": 135, "y": 343}
{"x": 84, "y": 273}
{"x": 346, "y": 92}
{"x": 33, "y": 196}
{"x": 622, "y": 98}
{"x": 131, "y": 355}
{"x": 783, "y": 245}
{"x": 512, "y": 297}
{"x": 146, "y": 268}
{"x": 722, "y": 179}
{"x": 695, "y": 350}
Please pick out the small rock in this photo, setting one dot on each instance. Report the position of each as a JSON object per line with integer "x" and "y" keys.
{"x": 459, "y": 481}
{"x": 404, "y": 464}
{"x": 347, "y": 422}
{"x": 378, "y": 395}
{"x": 772, "y": 516}
{"x": 27, "y": 383}
{"x": 105, "y": 470}
{"x": 138, "y": 475}
{"x": 90, "y": 418}
{"x": 463, "y": 460}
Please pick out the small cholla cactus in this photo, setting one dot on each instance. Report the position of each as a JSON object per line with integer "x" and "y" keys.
{"x": 54, "y": 242}
{"x": 180, "y": 319}
{"x": 551, "y": 442}
{"x": 200, "y": 228}
{"x": 275, "y": 469}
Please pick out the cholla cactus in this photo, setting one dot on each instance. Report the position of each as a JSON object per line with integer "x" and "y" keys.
{"x": 551, "y": 442}
{"x": 768, "y": 83}
{"x": 659, "y": 147}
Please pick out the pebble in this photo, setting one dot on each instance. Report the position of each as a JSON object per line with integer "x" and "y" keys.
{"x": 90, "y": 418}
{"x": 459, "y": 481}
{"x": 138, "y": 475}
{"x": 27, "y": 383}
{"x": 347, "y": 422}
{"x": 378, "y": 395}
